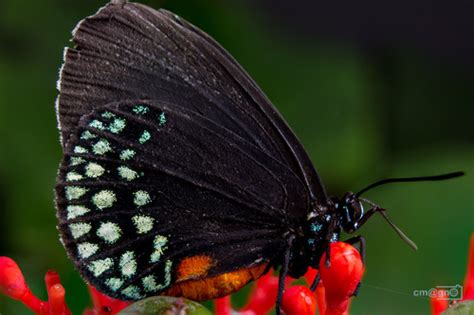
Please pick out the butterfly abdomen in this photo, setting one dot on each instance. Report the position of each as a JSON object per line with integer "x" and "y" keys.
{"x": 217, "y": 286}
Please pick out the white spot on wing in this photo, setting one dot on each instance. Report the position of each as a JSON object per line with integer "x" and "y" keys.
{"x": 149, "y": 282}
{"x": 127, "y": 173}
{"x": 79, "y": 229}
{"x": 117, "y": 125}
{"x": 80, "y": 150}
{"x": 100, "y": 266}
{"x": 94, "y": 170}
{"x": 109, "y": 232}
{"x": 132, "y": 292}
{"x": 127, "y": 154}
{"x": 74, "y": 192}
{"x": 74, "y": 211}
{"x": 128, "y": 264}
{"x": 76, "y": 160}
{"x": 144, "y": 137}
{"x": 141, "y": 198}
{"x": 159, "y": 243}
{"x": 73, "y": 176}
{"x": 114, "y": 283}
{"x": 87, "y": 135}
{"x": 101, "y": 147}
{"x": 143, "y": 223}
{"x": 104, "y": 199}
{"x": 86, "y": 249}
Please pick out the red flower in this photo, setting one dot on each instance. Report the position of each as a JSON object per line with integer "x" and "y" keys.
{"x": 469, "y": 280}
{"x": 340, "y": 281}
{"x": 332, "y": 296}
{"x": 299, "y": 300}
{"x": 439, "y": 302}
{"x": 341, "y": 278}
{"x": 13, "y": 284}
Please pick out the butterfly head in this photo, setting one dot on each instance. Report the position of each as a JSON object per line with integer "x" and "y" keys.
{"x": 350, "y": 211}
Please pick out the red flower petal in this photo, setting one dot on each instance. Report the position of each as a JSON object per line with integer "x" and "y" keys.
{"x": 223, "y": 306}
{"x": 299, "y": 300}
{"x": 342, "y": 277}
{"x": 310, "y": 275}
{"x": 12, "y": 284}
{"x": 439, "y": 302}
{"x": 56, "y": 300}
{"x": 263, "y": 295}
{"x": 104, "y": 304}
{"x": 321, "y": 298}
{"x": 469, "y": 281}
{"x": 51, "y": 278}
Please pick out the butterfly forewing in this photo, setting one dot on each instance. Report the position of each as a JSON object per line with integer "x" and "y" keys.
{"x": 131, "y": 51}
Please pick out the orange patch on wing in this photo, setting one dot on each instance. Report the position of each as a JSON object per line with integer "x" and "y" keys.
{"x": 216, "y": 286}
{"x": 193, "y": 267}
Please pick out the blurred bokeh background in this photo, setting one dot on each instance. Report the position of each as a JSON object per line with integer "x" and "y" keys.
{"x": 373, "y": 89}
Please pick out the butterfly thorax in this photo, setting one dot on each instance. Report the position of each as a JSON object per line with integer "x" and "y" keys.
{"x": 323, "y": 226}
{"x": 313, "y": 238}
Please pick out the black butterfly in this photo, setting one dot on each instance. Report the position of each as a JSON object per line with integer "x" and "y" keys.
{"x": 179, "y": 176}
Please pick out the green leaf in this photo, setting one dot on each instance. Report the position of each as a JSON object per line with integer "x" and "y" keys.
{"x": 461, "y": 308}
{"x": 165, "y": 305}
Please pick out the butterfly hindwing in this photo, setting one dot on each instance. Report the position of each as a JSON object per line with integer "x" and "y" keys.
{"x": 146, "y": 184}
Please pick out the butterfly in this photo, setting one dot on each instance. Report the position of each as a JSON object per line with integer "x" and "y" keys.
{"x": 179, "y": 176}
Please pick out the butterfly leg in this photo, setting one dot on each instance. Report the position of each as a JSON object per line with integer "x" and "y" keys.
{"x": 369, "y": 213}
{"x": 315, "y": 283}
{"x": 357, "y": 289}
{"x": 361, "y": 240}
{"x": 282, "y": 276}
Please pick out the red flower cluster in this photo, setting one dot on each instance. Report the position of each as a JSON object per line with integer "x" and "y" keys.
{"x": 440, "y": 298}
{"x": 336, "y": 287}
{"x": 332, "y": 298}
{"x": 13, "y": 285}
{"x": 332, "y": 295}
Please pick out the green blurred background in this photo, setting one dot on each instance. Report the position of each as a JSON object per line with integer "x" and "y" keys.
{"x": 365, "y": 107}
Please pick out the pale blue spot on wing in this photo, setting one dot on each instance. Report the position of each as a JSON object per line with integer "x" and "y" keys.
{"x": 117, "y": 125}
{"x": 97, "y": 124}
{"x": 74, "y": 211}
{"x": 76, "y": 160}
{"x": 127, "y": 173}
{"x": 80, "y": 150}
{"x": 108, "y": 115}
{"x": 74, "y": 192}
{"x": 159, "y": 243}
{"x": 98, "y": 267}
{"x": 87, "y": 135}
{"x": 141, "y": 198}
{"x": 141, "y": 109}
{"x": 162, "y": 119}
{"x": 132, "y": 292}
{"x": 73, "y": 176}
{"x": 144, "y": 137}
{"x": 104, "y": 199}
{"x": 127, "y": 154}
{"x": 101, "y": 147}
{"x": 114, "y": 283}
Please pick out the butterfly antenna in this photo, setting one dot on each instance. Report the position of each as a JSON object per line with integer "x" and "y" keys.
{"x": 410, "y": 179}
{"x": 376, "y": 208}
{"x": 402, "y": 235}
